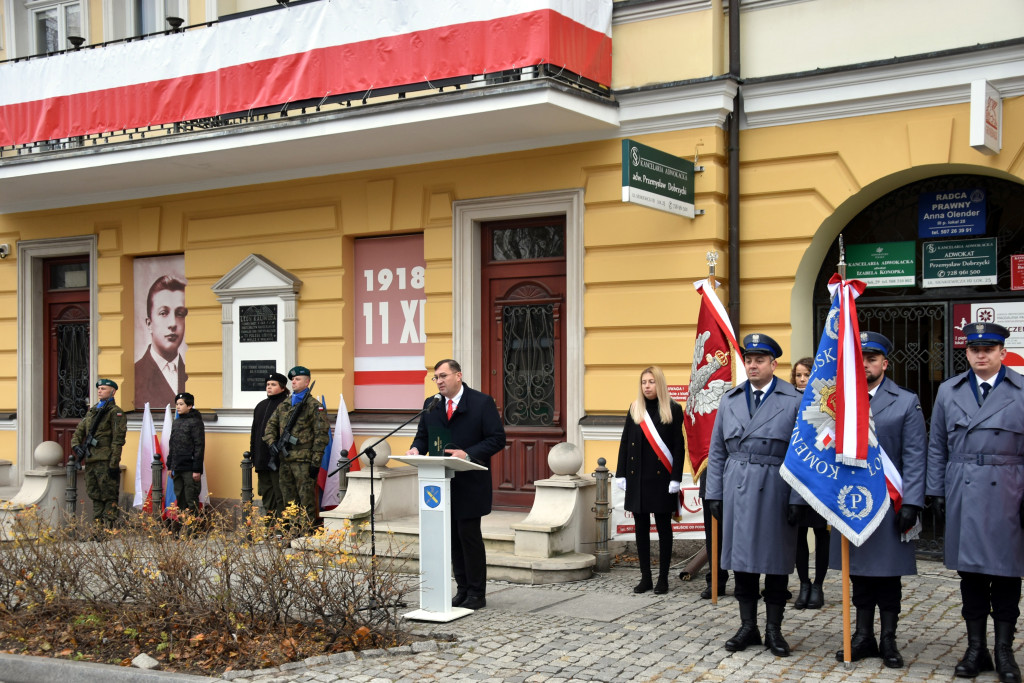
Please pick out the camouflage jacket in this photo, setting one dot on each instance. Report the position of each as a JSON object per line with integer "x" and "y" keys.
{"x": 109, "y": 434}
{"x": 311, "y": 432}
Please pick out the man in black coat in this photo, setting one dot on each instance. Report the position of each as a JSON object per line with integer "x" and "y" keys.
{"x": 267, "y": 482}
{"x": 474, "y": 431}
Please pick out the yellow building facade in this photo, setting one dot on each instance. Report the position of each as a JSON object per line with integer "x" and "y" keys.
{"x": 819, "y": 143}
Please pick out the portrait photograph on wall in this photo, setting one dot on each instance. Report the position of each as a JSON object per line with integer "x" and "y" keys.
{"x": 160, "y": 314}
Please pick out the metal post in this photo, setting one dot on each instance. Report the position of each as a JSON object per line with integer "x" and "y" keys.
{"x": 71, "y": 493}
{"x": 246, "y": 478}
{"x": 602, "y": 512}
{"x": 158, "y": 486}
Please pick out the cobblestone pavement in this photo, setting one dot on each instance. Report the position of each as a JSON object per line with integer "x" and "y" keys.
{"x": 598, "y": 630}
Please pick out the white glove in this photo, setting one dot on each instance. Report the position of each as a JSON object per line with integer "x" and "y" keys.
{"x": 673, "y": 487}
{"x": 621, "y": 482}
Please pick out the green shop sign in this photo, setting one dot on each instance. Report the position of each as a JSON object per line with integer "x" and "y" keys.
{"x": 656, "y": 179}
{"x": 884, "y": 264}
{"x": 953, "y": 263}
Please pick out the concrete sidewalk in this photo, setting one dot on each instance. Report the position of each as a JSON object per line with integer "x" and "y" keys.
{"x": 598, "y": 630}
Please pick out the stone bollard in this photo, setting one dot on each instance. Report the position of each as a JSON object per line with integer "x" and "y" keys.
{"x": 603, "y": 513}
{"x": 246, "y": 478}
{"x": 71, "y": 492}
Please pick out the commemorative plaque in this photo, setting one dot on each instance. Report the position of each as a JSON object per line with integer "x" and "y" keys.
{"x": 257, "y": 323}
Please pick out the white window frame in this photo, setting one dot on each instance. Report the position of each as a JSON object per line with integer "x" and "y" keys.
{"x": 121, "y": 24}
{"x": 33, "y": 8}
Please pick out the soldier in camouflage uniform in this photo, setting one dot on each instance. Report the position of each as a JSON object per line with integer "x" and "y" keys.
{"x": 300, "y": 467}
{"x": 103, "y": 463}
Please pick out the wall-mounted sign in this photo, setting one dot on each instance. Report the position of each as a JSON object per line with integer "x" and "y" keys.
{"x": 678, "y": 393}
{"x": 254, "y": 374}
{"x": 951, "y": 214}
{"x": 954, "y": 263}
{"x": 1017, "y": 271}
{"x": 257, "y": 323}
{"x": 656, "y": 179}
{"x": 1009, "y": 314}
{"x": 883, "y": 264}
{"x": 986, "y": 118}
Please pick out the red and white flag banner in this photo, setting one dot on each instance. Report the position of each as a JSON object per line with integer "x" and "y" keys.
{"x": 851, "y": 384}
{"x": 307, "y": 51}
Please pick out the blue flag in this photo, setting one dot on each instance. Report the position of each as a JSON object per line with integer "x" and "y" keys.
{"x": 852, "y": 498}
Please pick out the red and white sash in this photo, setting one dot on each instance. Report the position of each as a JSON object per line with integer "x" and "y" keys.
{"x": 656, "y": 442}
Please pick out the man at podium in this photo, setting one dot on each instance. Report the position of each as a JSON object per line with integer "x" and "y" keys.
{"x": 464, "y": 424}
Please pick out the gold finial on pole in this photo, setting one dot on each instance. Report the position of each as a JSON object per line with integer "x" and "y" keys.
{"x": 712, "y": 259}
{"x": 842, "y": 258}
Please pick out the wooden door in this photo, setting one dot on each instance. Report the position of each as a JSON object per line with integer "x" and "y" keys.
{"x": 66, "y": 372}
{"x": 523, "y": 326}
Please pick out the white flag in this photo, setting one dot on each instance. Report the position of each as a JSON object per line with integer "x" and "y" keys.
{"x": 144, "y": 462}
{"x": 343, "y": 440}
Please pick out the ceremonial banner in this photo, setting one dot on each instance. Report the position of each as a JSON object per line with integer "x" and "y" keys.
{"x": 710, "y": 374}
{"x": 822, "y": 463}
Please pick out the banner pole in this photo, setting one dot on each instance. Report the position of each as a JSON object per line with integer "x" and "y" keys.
{"x": 845, "y": 542}
{"x": 712, "y": 258}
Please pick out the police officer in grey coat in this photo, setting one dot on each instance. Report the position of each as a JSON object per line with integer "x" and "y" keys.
{"x": 877, "y": 565}
{"x": 747, "y": 494}
{"x": 976, "y": 474}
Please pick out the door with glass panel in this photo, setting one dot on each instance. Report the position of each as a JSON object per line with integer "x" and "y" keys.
{"x": 523, "y": 348}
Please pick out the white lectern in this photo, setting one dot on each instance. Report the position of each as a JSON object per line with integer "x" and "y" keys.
{"x": 436, "y": 535}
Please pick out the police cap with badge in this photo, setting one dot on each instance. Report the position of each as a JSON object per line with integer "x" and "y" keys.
{"x": 761, "y": 343}
{"x": 986, "y": 334}
{"x": 873, "y": 342}
{"x": 298, "y": 370}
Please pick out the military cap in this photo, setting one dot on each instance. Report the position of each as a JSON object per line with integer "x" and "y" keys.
{"x": 986, "y": 334}
{"x": 104, "y": 382}
{"x": 279, "y": 378}
{"x": 761, "y": 343}
{"x": 298, "y": 370}
{"x": 873, "y": 342}
{"x": 188, "y": 398}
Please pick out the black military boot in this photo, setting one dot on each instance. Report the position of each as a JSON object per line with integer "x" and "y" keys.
{"x": 1006, "y": 665}
{"x": 773, "y": 639}
{"x": 863, "y": 644}
{"x": 748, "y": 633}
{"x": 891, "y": 656}
{"x": 977, "y": 657}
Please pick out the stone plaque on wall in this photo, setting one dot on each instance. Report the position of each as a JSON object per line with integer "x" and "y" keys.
{"x": 257, "y": 323}
{"x": 254, "y": 374}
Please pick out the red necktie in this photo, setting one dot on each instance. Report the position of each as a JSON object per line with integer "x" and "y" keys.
{"x": 451, "y": 408}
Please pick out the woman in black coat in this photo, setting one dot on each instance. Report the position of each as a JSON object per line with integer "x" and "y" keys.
{"x": 651, "y": 478}
{"x": 185, "y": 453}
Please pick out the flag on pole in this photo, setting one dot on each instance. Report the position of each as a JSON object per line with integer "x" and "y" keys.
{"x": 341, "y": 440}
{"x": 148, "y": 445}
{"x": 710, "y": 374}
{"x": 834, "y": 460}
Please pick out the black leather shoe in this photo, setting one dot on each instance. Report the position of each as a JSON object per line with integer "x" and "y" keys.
{"x": 644, "y": 585}
{"x": 1006, "y": 665}
{"x": 890, "y": 654}
{"x": 661, "y": 587}
{"x": 474, "y": 602}
{"x": 748, "y": 633}
{"x": 773, "y": 639}
{"x": 801, "y": 598}
{"x": 706, "y": 593}
{"x": 458, "y": 599}
{"x": 816, "y": 598}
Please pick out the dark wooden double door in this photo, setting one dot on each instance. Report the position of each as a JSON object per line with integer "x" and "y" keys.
{"x": 523, "y": 348}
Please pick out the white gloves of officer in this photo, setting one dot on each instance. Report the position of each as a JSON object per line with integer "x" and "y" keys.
{"x": 621, "y": 482}
{"x": 673, "y": 487}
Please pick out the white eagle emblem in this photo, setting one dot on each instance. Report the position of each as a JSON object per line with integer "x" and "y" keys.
{"x": 704, "y": 396}
{"x": 820, "y": 414}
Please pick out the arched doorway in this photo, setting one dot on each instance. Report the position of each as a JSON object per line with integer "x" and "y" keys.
{"x": 922, "y": 321}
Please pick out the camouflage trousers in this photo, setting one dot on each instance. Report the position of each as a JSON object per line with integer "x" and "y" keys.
{"x": 299, "y": 488}
{"x": 103, "y": 490}
{"x": 269, "y": 487}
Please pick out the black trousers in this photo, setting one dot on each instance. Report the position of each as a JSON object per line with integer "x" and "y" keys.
{"x": 983, "y": 594}
{"x": 723, "y": 575}
{"x": 803, "y": 554}
{"x": 884, "y": 591}
{"x": 642, "y": 525}
{"x": 776, "y": 588}
{"x": 469, "y": 561}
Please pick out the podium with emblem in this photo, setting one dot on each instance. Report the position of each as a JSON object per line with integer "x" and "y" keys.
{"x": 435, "y": 474}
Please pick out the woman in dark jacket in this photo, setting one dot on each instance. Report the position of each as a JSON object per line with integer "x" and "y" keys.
{"x": 649, "y": 471}
{"x": 185, "y": 453}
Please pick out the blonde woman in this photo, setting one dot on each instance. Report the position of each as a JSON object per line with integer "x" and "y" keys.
{"x": 649, "y": 471}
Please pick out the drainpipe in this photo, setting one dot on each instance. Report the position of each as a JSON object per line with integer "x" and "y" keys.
{"x": 734, "y": 166}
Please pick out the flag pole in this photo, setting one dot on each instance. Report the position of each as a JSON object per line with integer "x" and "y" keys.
{"x": 845, "y": 542}
{"x": 712, "y": 259}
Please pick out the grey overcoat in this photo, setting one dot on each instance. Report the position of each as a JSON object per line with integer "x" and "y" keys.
{"x": 899, "y": 426}
{"x": 976, "y": 460}
{"x": 743, "y": 472}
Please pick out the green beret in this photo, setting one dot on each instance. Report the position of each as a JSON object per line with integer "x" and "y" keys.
{"x": 106, "y": 383}
{"x": 298, "y": 370}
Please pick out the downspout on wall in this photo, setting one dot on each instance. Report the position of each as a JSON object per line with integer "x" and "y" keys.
{"x": 734, "y": 167}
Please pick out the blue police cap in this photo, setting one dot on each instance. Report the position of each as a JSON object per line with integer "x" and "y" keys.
{"x": 986, "y": 334}
{"x": 761, "y": 343}
{"x": 873, "y": 342}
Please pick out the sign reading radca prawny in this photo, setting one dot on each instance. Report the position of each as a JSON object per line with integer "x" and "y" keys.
{"x": 657, "y": 180}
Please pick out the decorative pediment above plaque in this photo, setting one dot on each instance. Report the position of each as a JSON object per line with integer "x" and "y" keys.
{"x": 256, "y": 276}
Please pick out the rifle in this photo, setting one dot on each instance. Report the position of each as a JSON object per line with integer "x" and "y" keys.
{"x": 84, "y": 449}
{"x": 279, "y": 449}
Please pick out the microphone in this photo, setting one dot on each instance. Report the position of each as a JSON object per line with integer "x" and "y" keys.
{"x": 434, "y": 402}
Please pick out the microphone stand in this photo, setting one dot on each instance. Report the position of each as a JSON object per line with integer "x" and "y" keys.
{"x": 371, "y": 455}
